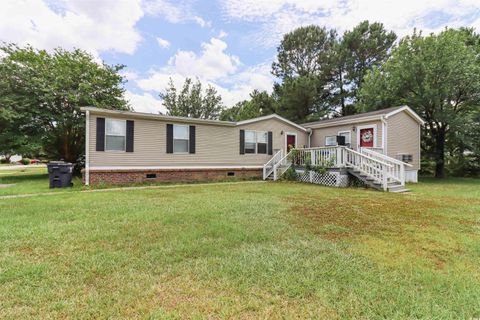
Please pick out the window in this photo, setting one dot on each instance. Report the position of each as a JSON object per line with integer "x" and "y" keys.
{"x": 250, "y": 142}
{"x": 330, "y": 141}
{"x": 180, "y": 139}
{"x": 262, "y": 140}
{"x": 407, "y": 158}
{"x": 348, "y": 137}
{"x": 115, "y": 132}
{"x": 256, "y": 142}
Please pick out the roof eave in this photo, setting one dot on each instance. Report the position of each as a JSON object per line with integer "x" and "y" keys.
{"x": 144, "y": 115}
{"x": 272, "y": 116}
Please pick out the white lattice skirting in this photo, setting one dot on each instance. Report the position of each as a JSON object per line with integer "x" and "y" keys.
{"x": 331, "y": 179}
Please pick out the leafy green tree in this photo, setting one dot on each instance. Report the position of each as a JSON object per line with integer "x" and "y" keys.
{"x": 191, "y": 101}
{"x": 41, "y": 94}
{"x": 439, "y": 77}
{"x": 260, "y": 104}
{"x": 302, "y": 99}
{"x": 306, "y": 51}
{"x": 304, "y": 66}
{"x": 365, "y": 47}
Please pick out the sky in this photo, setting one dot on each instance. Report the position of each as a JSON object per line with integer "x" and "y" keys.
{"x": 229, "y": 44}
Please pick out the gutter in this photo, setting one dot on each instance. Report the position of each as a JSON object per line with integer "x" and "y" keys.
{"x": 384, "y": 134}
{"x": 87, "y": 149}
{"x": 309, "y": 131}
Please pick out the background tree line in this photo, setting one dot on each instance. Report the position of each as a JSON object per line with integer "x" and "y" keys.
{"x": 319, "y": 74}
{"x": 322, "y": 74}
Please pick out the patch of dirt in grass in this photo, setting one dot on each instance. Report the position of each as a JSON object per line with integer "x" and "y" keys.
{"x": 6, "y": 185}
{"x": 190, "y": 298}
{"x": 338, "y": 218}
{"x": 392, "y": 230}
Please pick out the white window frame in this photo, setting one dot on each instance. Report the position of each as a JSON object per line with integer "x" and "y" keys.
{"x": 188, "y": 139}
{"x": 256, "y": 141}
{"x": 113, "y": 135}
{"x": 350, "y": 133}
{"x": 330, "y": 145}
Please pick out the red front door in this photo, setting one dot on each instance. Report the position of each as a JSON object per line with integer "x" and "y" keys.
{"x": 291, "y": 142}
{"x": 366, "y": 137}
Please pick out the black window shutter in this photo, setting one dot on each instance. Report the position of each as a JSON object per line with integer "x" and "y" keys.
{"x": 192, "y": 139}
{"x": 169, "y": 138}
{"x": 100, "y": 134}
{"x": 242, "y": 141}
{"x": 129, "y": 143}
{"x": 270, "y": 144}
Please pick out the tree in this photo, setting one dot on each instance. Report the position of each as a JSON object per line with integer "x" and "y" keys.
{"x": 361, "y": 49}
{"x": 304, "y": 66}
{"x": 44, "y": 92}
{"x": 439, "y": 77}
{"x": 305, "y": 51}
{"x": 260, "y": 104}
{"x": 302, "y": 99}
{"x": 191, "y": 101}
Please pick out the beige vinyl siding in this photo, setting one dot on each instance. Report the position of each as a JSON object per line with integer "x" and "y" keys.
{"x": 216, "y": 145}
{"x": 318, "y": 135}
{"x": 404, "y": 137}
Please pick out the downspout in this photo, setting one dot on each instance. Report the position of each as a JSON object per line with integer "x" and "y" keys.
{"x": 309, "y": 131}
{"x": 384, "y": 134}
{"x": 87, "y": 148}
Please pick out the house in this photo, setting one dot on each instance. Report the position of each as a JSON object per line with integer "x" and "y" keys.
{"x": 394, "y": 132}
{"x": 130, "y": 147}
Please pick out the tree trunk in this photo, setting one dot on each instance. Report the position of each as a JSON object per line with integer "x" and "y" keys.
{"x": 440, "y": 153}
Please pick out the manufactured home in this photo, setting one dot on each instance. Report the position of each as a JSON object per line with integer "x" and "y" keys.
{"x": 381, "y": 147}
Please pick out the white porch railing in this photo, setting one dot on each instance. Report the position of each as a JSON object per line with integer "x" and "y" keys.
{"x": 373, "y": 168}
{"x": 376, "y": 166}
{"x": 270, "y": 165}
{"x": 396, "y": 171}
{"x": 379, "y": 150}
{"x": 324, "y": 156}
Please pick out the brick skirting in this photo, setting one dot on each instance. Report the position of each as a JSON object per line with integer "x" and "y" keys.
{"x": 170, "y": 175}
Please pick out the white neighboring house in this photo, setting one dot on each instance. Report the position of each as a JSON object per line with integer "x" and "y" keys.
{"x": 14, "y": 158}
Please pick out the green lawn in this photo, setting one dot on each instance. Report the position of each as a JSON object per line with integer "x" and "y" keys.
{"x": 260, "y": 250}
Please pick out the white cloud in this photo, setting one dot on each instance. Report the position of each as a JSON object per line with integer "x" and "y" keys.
{"x": 174, "y": 11}
{"x": 211, "y": 64}
{"x": 222, "y": 34}
{"x": 202, "y": 23}
{"x": 277, "y": 17}
{"x": 95, "y": 28}
{"x": 163, "y": 43}
{"x": 145, "y": 102}
{"x": 214, "y": 66}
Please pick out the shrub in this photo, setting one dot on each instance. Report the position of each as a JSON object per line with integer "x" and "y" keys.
{"x": 3, "y": 161}
{"x": 25, "y": 161}
{"x": 290, "y": 174}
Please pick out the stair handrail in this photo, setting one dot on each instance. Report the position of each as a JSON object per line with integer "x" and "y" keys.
{"x": 374, "y": 153}
{"x": 373, "y": 168}
{"x": 271, "y": 163}
{"x": 279, "y": 163}
{"x": 396, "y": 172}
{"x": 368, "y": 157}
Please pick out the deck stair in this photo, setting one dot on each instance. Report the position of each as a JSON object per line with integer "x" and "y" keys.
{"x": 373, "y": 168}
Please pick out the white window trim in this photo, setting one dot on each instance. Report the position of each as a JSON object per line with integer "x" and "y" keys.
{"x": 329, "y": 145}
{"x": 113, "y": 135}
{"x": 347, "y": 131}
{"x": 290, "y": 134}
{"x": 188, "y": 139}
{"x": 375, "y": 134}
{"x": 256, "y": 141}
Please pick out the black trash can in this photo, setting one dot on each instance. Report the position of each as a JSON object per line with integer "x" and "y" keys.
{"x": 60, "y": 174}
